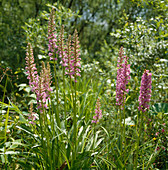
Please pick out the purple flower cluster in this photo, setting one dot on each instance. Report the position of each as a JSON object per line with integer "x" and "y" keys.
{"x": 123, "y": 75}
{"x": 41, "y": 95}
{"x": 69, "y": 53}
{"x": 44, "y": 88}
{"x": 98, "y": 112}
{"x": 145, "y": 91}
{"x": 62, "y": 47}
{"x": 31, "y": 68}
{"x": 75, "y": 67}
{"x": 68, "y": 49}
{"x": 40, "y": 85}
{"x": 52, "y": 36}
{"x": 72, "y": 57}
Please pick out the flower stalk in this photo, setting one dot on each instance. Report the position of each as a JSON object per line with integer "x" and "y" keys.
{"x": 53, "y": 52}
{"x": 98, "y": 112}
{"x": 75, "y": 69}
{"x": 144, "y": 99}
{"x": 123, "y": 75}
{"x": 63, "y": 56}
{"x": 32, "y": 116}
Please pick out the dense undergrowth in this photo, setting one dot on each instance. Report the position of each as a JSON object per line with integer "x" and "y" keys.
{"x": 73, "y": 113}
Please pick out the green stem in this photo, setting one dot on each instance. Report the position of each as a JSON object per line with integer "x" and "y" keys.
{"x": 71, "y": 90}
{"x": 74, "y": 126}
{"x": 120, "y": 120}
{"x": 64, "y": 97}
{"x": 41, "y": 131}
{"x": 5, "y": 89}
{"x": 124, "y": 126}
{"x": 56, "y": 87}
{"x": 6, "y": 123}
{"x": 121, "y": 132}
{"x": 138, "y": 140}
{"x": 51, "y": 115}
{"x": 7, "y": 115}
{"x": 3, "y": 98}
{"x": 57, "y": 116}
{"x": 47, "y": 138}
{"x": 124, "y": 119}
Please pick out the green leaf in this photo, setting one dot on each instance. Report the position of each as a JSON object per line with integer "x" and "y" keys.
{"x": 109, "y": 163}
{"x": 22, "y": 119}
{"x": 10, "y": 153}
{"x": 152, "y": 159}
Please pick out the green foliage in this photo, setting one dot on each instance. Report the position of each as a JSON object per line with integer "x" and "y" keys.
{"x": 141, "y": 27}
{"x": 13, "y": 15}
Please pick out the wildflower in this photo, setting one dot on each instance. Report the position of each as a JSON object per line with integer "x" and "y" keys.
{"x": 163, "y": 130}
{"x": 69, "y": 67}
{"x": 61, "y": 48}
{"x": 120, "y": 58}
{"x": 98, "y": 112}
{"x": 157, "y": 148}
{"x": 132, "y": 125}
{"x": 52, "y": 36}
{"x": 31, "y": 68}
{"x": 163, "y": 148}
{"x": 46, "y": 79}
{"x": 154, "y": 138}
{"x": 145, "y": 91}
{"x": 44, "y": 87}
{"x": 40, "y": 85}
{"x": 157, "y": 133}
{"x": 17, "y": 117}
{"x": 41, "y": 95}
{"x": 123, "y": 75}
{"x": 32, "y": 116}
{"x": 75, "y": 67}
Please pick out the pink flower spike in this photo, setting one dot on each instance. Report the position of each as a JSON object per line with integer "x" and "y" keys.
{"x": 43, "y": 92}
{"x": 123, "y": 75}
{"x": 145, "y": 91}
{"x": 62, "y": 48}
{"x": 52, "y": 36}
{"x": 75, "y": 61}
{"x": 98, "y": 112}
{"x": 40, "y": 85}
{"x": 31, "y": 68}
